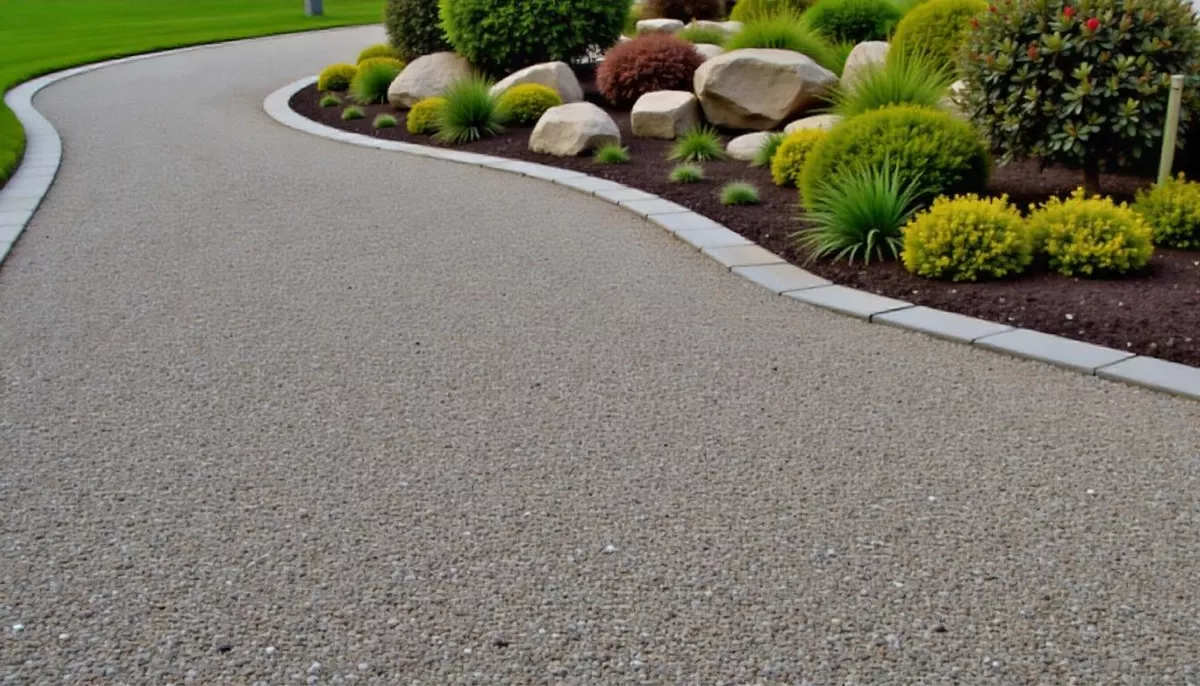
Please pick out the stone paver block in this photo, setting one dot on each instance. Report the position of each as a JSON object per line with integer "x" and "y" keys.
{"x": 684, "y": 221}
{"x": 1057, "y": 350}
{"x": 20, "y": 218}
{"x": 589, "y": 184}
{"x": 710, "y": 238}
{"x": 849, "y": 301}
{"x": 781, "y": 277}
{"x": 622, "y": 194}
{"x": 19, "y": 203}
{"x": 743, "y": 256}
{"x": 9, "y": 232}
{"x": 649, "y": 208}
{"x": 539, "y": 171}
{"x": 1156, "y": 374}
{"x": 948, "y": 325}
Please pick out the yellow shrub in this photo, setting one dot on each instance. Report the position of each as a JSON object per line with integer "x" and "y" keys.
{"x": 1091, "y": 236}
{"x": 377, "y": 50}
{"x": 422, "y": 118}
{"x": 789, "y": 159}
{"x": 1173, "y": 211}
{"x": 398, "y": 64}
{"x": 336, "y": 77}
{"x": 967, "y": 238}
{"x": 527, "y": 102}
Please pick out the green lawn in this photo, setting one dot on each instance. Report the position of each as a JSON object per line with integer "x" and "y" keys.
{"x": 41, "y": 36}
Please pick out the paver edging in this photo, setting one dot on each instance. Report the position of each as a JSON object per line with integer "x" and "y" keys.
{"x": 684, "y": 224}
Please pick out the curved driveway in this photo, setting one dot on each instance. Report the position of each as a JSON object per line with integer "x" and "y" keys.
{"x": 279, "y": 410}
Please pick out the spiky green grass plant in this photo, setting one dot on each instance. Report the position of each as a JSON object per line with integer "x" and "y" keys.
{"x": 686, "y": 173}
{"x": 739, "y": 193}
{"x": 470, "y": 112}
{"x": 698, "y": 144}
{"x": 902, "y": 79}
{"x": 611, "y": 153}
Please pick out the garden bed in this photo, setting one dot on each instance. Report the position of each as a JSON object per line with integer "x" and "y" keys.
{"x": 1155, "y": 312}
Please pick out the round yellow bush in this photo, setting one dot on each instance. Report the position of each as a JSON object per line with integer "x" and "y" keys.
{"x": 391, "y": 61}
{"x": 527, "y": 102}
{"x": 967, "y": 238}
{"x": 1173, "y": 211}
{"x": 788, "y": 163}
{"x": 423, "y": 117}
{"x": 378, "y": 50}
{"x": 1091, "y": 236}
{"x": 336, "y": 77}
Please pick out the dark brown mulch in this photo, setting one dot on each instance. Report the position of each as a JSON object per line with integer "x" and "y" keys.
{"x": 1156, "y": 312}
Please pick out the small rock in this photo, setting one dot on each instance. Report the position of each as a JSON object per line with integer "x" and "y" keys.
{"x": 568, "y": 130}
{"x": 659, "y": 26}
{"x": 314, "y": 668}
{"x": 610, "y": 549}
{"x": 745, "y": 148}
{"x": 664, "y": 114}
{"x": 708, "y": 50}
{"x": 825, "y": 122}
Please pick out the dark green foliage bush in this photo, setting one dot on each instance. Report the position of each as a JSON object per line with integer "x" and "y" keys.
{"x": 854, "y": 20}
{"x": 1084, "y": 84}
{"x": 414, "y": 28}
{"x": 937, "y": 28}
{"x": 648, "y": 63}
{"x": 945, "y": 151}
{"x": 502, "y": 36}
{"x": 684, "y": 10}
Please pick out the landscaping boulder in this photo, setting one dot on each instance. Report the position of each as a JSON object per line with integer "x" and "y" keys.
{"x": 861, "y": 57}
{"x": 727, "y": 27}
{"x": 659, "y": 26}
{"x": 759, "y": 88}
{"x": 664, "y": 114}
{"x": 427, "y": 76}
{"x": 568, "y": 130}
{"x": 745, "y": 148}
{"x": 556, "y": 75}
{"x": 732, "y": 27}
{"x": 825, "y": 122}
{"x": 708, "y": 50}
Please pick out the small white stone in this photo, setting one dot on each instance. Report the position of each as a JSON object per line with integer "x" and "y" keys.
{"x": 362, "y": 666}
{"x": 1091, "y": 491}
{"x": 18, "y": 628}
{"x": 63, "y": 637}
{"x": 609, "y": 549}
{"x": 314, "y": 668}
{"x": 269, "y": 650}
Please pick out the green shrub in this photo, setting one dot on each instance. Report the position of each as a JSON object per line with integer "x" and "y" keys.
{"x": 686, "y": 173}
{"x": 384, "y": 121}
{"x": 1083, "y": 85}
{"x": 945, "y": 151}
{"x": 1172, "y": 210}
{"x": 747, "y": 10}
{"x": 784, "y": 31}
{"x": 787, "y": 167}
{"x": 375, "y": 75}
{"x": 330, "y": 100}
{"x": 611, "y": 153}
{"x": 684, "y": 10}
{"x": 422, "y": 119}
{"x": 336, "y": 77}
{"x": 351, "y": 112}
{"x": 648, "y": 63}
{"x": 527, "y": 102}
{"x": 698, "y": 144}
{"x": 739, "y": 193}
{"x": 414, "y": 28}
{"x": 766, "y": 152}
{"x": 937, "y": 28}
{"x": 695, "y": 34}
{"x": 1091, "y": 236}
{"x": 859, "y": 213}
{"x": 910, "y": 79}
{"x": 967, "y": 238}
{"x": 853, "y": 20}
{"x": 502, "y": 36}
{"x": 378, "y": 50}
{"x": 470, "y": 112}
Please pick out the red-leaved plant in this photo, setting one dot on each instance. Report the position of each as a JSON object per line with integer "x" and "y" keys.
{"x": 648, "y": 63}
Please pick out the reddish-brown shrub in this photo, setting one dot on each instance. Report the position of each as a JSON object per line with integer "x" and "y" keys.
{"x": 653, "y": 62}
{"x": 684, "y": 10}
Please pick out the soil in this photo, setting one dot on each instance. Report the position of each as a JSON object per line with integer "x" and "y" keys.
{"x": 1155, "y": 312}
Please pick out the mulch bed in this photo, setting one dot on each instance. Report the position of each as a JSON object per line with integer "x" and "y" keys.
{"x": 1155, "y": 312}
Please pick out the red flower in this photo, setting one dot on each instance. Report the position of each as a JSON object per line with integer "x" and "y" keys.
{"x": 1093, "y": 24}
{"x": 1068, "y": 11}
{"x": 1032, "y": 52}
{"x": 992, "y": 8}
{"x": 974, "y": 23}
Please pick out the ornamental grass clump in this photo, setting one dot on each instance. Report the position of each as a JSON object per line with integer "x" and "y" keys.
{"x": 967, "y": 238}
{"x": 853, "y": 20}
{"x": 787, "y": 165}
{"x": 648, "y": 63}
{"x": 527, "y": 102}
{"x": 384, "y": 121}
{"x": 907, "y": 79}
{"x": 336, "y": 77}
{"x": 375, "y": 75}
{"x": 470, "y": 112}
{"x": 785, "y": 30}
{"x": 1172, "y": 210}
{"x": 739, "y": 193}
{"x": 859, "y": 213}
{"x": 351, "y": 113}
{"x": 698, "y": 144}
{"x": 330, "y": 100}
{"x": 611, "y": 153}
{"x": 747, "y": 10}
{"x": 696, "y": 34}
{"x": 1091, "y": 236}
{"x": 1083, "y": 84}
{"x": 686, "y": 173}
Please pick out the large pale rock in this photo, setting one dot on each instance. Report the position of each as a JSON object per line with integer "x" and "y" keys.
{"x": 659, "y": 26}
{"x": 825, "y": 122}
{"x": 556, "y": 75}
{"x": 427, "y": 76}
{"x": 664, "y": 114}
{"x": 708, "y": 50}
{"x": 745, "y": 148}
{"x": 759, "y": 88}
{"x": 568, "y": 130}
{"x": 864, "y": 56}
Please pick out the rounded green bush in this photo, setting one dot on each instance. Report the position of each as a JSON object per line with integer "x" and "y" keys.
{"x": 414, "y": 28}
{"x": 336, "y": 77}
{"x": 378, "y": 50}
{"x": 1173, "y": 211}
{"x": 937, "y": 28}
{"x": 374, "y": 77}
{"x": 502, "y": 36}
{"x": 967, "y": 238}
{"x": 945, "y": 152}
{"x": 525, "y": 103}
{"x": 423, "y": 117}
{"x": 854, "y": 20}
{"x": 1091, "y": 236}
{"x": 787, "y": 164}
